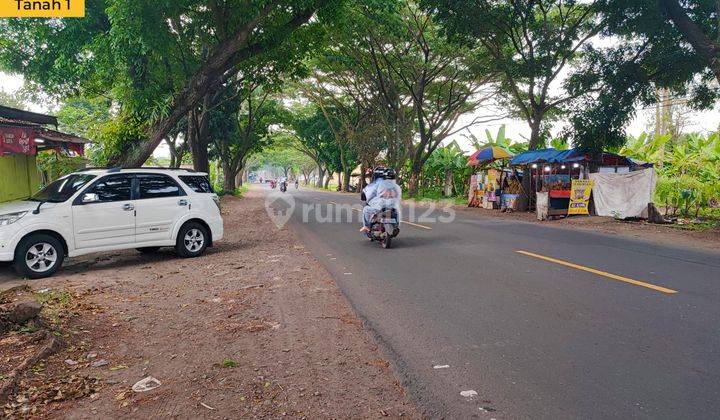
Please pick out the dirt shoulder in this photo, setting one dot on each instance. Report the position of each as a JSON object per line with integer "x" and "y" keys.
{"x": 256, "y": 328}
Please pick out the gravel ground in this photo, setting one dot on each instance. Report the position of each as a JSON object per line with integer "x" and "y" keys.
{"x": 255, "y": 328}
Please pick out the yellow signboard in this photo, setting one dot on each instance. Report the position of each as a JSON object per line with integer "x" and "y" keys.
{"x": 43, "y": 9}
{"x": 580, "y": 196}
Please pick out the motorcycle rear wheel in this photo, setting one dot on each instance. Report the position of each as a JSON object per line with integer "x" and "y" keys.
{"x": 386, "y": 242}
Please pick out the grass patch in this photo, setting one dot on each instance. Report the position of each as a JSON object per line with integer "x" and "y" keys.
{"x": 54, "y": 302}
{"x": 699, "y": 226}
{"x": 61, "y": 298}
{"x": 229, "y": 363}
{"x": 241, "y": 190}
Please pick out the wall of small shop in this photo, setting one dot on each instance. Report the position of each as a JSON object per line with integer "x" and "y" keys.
{"x": 19, "y": 177}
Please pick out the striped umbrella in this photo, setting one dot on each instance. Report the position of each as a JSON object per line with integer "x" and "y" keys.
{"x": 488, "y": 154}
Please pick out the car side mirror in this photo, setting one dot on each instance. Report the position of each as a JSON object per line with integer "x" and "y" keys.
{"x": 90, "y": 198}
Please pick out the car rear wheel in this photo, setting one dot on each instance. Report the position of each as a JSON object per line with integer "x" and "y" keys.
{"x": 192, "y": 240}
{"x": 39, "y": 256}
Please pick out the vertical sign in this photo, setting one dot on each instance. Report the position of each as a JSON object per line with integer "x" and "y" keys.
{"x": 580, "y": 196}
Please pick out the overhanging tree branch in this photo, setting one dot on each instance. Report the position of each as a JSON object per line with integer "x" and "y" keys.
{"x": 225, "y": 58}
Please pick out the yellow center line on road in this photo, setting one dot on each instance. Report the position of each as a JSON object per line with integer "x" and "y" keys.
{"x": 600, "y": 273}
{"x": 402, "y": 221}
{"x": 415, "y": 224}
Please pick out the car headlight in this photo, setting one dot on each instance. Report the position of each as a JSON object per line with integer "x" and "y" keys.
{"x": 10, "y": 218}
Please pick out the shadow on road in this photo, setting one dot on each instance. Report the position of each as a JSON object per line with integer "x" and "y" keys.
{"x": 409, "y": 241}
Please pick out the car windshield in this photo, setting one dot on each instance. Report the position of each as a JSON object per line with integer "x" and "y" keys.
{"x": 63, "y": 188}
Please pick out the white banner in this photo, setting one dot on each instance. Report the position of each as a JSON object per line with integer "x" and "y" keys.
{"x": 623, "y": 195}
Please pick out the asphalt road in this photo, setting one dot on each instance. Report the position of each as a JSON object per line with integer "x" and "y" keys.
{"x": 533, "y": 337}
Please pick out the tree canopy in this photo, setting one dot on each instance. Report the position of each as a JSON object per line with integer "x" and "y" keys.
{"x": 348, "y": 83}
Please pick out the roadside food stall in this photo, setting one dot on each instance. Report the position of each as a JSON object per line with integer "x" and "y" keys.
{"x": 23, "y": 135}
{"x": 486, "y": 182}
{"x": 561, "y": 180}
{"x": 551, "y": 173}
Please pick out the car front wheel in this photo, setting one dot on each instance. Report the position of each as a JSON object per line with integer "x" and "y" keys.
{"x": 192, "y": 240}
{"x": 39, "y": 256}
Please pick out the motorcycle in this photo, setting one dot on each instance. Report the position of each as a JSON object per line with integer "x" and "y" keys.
{"x": 384, "y": 226}
{"x": 283, "y": 186}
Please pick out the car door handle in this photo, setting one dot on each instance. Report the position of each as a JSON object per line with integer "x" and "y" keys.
{"x": 182, "y": 203}
{"x": 128, "y": 207}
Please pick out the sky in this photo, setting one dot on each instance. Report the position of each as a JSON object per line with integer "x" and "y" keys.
{"x": 517, "y": 130}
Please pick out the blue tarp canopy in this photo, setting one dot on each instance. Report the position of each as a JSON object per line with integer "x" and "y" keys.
{"x": 548, "y": 156}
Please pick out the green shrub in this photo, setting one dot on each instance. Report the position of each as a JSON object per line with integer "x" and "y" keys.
{"x": 685, "y": 194}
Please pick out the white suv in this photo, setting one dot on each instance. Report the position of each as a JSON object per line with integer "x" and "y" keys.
{"x": 110, "y": 209}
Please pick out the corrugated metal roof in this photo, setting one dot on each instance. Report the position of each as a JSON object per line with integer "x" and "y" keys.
{"x": 27, "y": 116}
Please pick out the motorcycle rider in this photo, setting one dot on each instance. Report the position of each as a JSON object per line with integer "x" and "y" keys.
{"x": 283, "y": 183}
{"x": 383, "y": 192}
{"x": 376, "y": 175}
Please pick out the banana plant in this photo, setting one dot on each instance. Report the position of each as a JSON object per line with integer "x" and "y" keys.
{"x": 446, "y": 161}
{"x": 559, "y": 144}
{"x": 499, "y": 140}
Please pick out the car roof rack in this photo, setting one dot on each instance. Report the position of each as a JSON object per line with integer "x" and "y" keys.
{"x": 160, "y": 168}
{"x": 120, "y": 168}
{"x": 99, "y": 168}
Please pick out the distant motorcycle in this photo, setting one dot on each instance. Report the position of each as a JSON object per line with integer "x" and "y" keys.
{"x": 283, "y": 186}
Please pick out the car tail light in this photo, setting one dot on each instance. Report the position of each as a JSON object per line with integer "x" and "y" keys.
{"x": 216, "y": 199}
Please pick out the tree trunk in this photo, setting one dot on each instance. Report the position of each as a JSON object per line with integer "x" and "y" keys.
{"x": 448, "y": 186}
{"x": 346, "y": 180}
{"x": 414, "y": 180}
{"x": 327, "y": 180}
{"x": 201, "y": 161}
{"x": 229, "y": 184}
{"x": 361, "y": 184}
{"x": 340, "y": 185}
{"x": 198, "y": 138}
{"x": 229, "y": 174}
{"x": 321, "y": 175}
{"x": 535, "y": 132}
{"x": 240, "y": 178}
